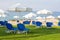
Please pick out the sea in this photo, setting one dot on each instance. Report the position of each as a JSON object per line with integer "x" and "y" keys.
{"x": 10, "y": 15}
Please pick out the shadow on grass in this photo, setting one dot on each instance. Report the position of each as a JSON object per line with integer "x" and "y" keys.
{"x": 3, "y": 32}
{"x": 33, "y": 33}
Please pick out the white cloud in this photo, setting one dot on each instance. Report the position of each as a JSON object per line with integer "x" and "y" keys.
{"x": 44, "y": 11}
{"x": 15, "y": 5}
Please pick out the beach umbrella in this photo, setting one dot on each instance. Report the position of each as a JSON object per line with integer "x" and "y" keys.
{"x": 2, "y": 11}
{"x": 58, "y": 18}
{"x": 2, "y": 14}
{"x": 50, "y": 18}
{"x": 29, "y": 15}
{"x": 16, "y": 17}
{"x": 38, "y": 17}
{"x": 44, "y": 12}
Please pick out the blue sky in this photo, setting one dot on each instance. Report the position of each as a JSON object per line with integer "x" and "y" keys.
{"x": 53, "y": 5}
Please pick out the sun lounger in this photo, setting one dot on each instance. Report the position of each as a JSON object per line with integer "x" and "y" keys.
{"x": 49, "y": 24}
{"x": 38, "y": 24}
{"x": 22, "y": 28}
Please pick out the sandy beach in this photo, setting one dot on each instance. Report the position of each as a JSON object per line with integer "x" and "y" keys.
{"x": 55, "y": 21}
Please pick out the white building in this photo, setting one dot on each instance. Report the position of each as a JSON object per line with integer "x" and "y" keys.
{"x": 20, "y": 9}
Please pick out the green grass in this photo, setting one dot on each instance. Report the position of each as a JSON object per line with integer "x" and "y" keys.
{"x": 34, "y": 34}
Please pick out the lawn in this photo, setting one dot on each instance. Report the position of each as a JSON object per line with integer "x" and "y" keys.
{"x": 34, "y": 34}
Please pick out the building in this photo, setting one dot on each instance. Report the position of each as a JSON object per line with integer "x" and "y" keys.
{"x": 20, "y": 9}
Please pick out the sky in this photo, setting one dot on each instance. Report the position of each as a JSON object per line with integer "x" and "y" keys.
{"x": 53, "y": 5}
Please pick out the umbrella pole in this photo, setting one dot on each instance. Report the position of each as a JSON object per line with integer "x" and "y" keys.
{"x": 45, "y": 20}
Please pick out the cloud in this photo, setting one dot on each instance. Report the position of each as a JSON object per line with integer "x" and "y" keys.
{"x": 15, "y": 5}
